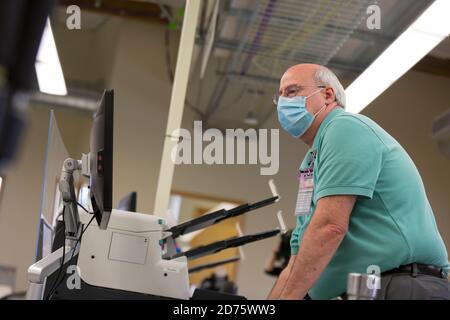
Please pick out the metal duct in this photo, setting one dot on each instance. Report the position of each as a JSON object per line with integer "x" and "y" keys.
{"x": 78, "y": 103}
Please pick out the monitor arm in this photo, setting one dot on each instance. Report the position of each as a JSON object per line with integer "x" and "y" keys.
{"x": 67, "y": 189}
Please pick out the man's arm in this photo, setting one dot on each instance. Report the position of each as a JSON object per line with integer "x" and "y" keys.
{"x": 281, "y": 281}
{"x": 322, "y": 238}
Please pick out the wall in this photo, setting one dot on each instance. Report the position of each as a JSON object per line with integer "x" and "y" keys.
{"x": 406, "y": 111}
{"x": 86, "y": 55}
{"x": 142, "y": 93}
{"x": 21, "y": 199}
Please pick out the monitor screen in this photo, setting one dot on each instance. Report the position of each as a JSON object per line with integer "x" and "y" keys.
{"x": 101, "y": 159}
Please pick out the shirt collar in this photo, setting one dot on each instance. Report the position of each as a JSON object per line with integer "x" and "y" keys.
{"x": 335, "y": 112}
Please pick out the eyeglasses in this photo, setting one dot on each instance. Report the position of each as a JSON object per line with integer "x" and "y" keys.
{"x": 292, "y": 91}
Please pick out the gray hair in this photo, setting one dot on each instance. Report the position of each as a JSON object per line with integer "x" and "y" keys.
{"x": 326, "y": 77}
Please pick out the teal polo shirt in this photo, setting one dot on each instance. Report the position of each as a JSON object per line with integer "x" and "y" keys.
{"x": 392, "y": 222}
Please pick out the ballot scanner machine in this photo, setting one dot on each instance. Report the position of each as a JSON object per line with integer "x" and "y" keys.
{"x": 123, "y": 254}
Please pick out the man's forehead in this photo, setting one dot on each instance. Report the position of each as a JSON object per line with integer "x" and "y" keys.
{"x": 291, "y": 78}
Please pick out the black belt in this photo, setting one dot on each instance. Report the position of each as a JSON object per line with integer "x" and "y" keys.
{"x": 415, "y": 269}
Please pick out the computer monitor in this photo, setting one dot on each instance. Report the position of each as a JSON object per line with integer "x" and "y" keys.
{"x": 101, "y": 159}
{"x": 129, "y": 202}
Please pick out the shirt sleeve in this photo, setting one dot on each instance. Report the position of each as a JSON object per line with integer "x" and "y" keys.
{"x": 349, "y": 160}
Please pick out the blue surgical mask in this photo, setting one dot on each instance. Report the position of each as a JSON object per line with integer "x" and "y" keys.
{"x": 293, "y": 116}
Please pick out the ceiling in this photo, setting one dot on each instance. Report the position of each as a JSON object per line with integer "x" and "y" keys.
{"x": 256, "y": 40}
{"x": 261, "y": 39}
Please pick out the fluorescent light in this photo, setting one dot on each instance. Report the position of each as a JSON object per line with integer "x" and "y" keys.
{"x": 410, "y": 47}
{"x": 48, "y": 68}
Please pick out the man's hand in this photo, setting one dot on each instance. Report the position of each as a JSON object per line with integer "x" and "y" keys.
{"x": 322, "y": 238}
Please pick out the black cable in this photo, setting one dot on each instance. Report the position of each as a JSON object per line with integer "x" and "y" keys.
{"x": 81, "y": 206}
{"x": 81, "y": 236}
{"x": 50, "y": 293}
{"x": 85, "y": 228}
{"x": 168, "y": 57}
{"x": 74, "y": 249}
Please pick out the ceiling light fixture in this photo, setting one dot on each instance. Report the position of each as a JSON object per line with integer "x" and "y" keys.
{"x": 48, "y": 67}
{"x": 410, "y": 47}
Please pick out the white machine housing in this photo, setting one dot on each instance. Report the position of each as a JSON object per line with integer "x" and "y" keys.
{"x": 128, "y": 256}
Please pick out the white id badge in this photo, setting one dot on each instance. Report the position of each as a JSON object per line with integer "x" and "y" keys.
{"x": 305, "y": 193}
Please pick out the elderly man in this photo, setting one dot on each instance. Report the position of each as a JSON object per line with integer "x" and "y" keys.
{"x": 361, "y": 205}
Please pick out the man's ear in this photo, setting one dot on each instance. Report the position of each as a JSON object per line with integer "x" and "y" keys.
{"x": 330, "y": 96}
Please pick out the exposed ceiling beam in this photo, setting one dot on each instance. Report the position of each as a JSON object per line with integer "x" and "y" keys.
{"x": 363, "y": 35}
{"x": 334, "y": 63}
{"x": 256, "y": 78}
{"x": 72, "y": 102}
{"x": 429, "y": 64}
{"x": 129, "y": 9}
